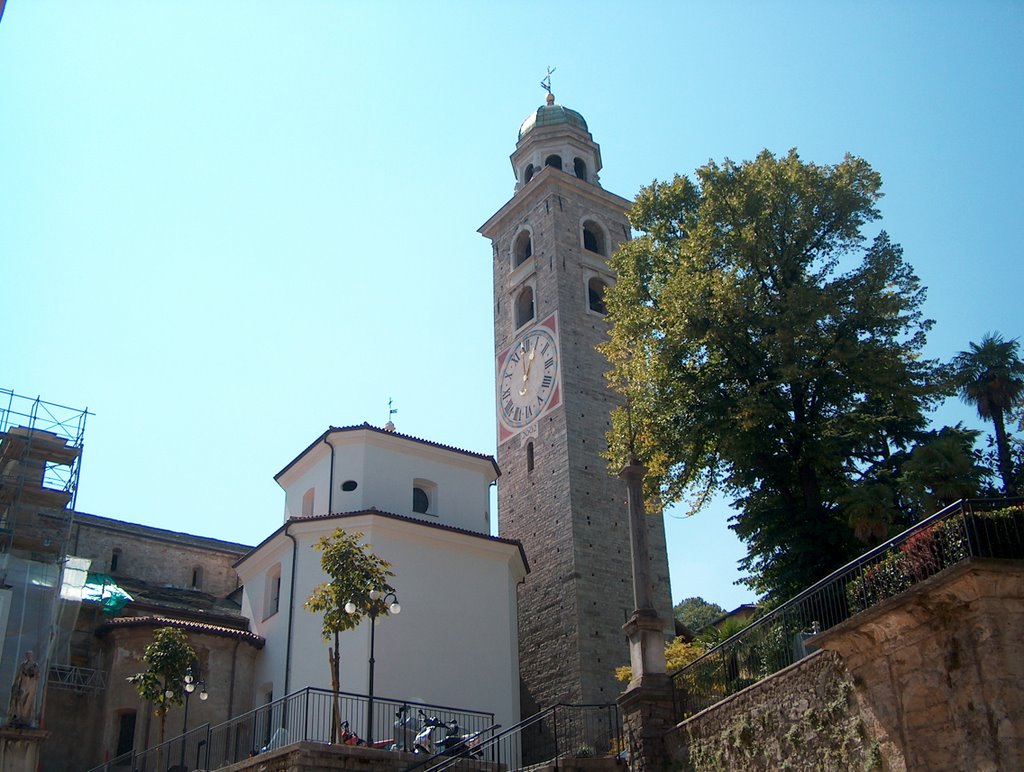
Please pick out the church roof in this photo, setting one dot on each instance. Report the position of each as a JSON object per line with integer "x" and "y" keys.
{"x": 551, "y": 114}
{"x": 391, "y": 433}
{"x": 120, "y": 623}
{"x": 392, "y": 516}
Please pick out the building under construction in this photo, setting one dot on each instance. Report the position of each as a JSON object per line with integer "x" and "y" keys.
{"x": 40, "y": 587}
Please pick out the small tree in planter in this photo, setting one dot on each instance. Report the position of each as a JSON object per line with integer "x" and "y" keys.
{"x": 162, "y": 684}
{"x": 354, "y": 572}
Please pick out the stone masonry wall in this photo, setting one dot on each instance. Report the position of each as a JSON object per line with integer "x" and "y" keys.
{"x": 942, "y": 667}
{"x": 808, "y": 717}
{"x": 927, "y": 680}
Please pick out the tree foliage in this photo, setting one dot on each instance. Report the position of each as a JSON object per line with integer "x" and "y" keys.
{"x": 354, "y": 573}
{"x": 990, "y": 376}
{"x": 169, "y": 657}
{"x": 696, "y": 613}
{"x": 766, "y": 348}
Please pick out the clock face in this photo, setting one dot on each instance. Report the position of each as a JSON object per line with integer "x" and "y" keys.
{"x": 528, "y": 378}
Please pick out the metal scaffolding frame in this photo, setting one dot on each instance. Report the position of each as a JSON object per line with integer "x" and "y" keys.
{"x": 40, "y": 459}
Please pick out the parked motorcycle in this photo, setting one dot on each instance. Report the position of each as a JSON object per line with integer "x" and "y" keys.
{"x": 405, "y": 730}
{"x": 427, "y": 739}
{"x": 438, "y": 737}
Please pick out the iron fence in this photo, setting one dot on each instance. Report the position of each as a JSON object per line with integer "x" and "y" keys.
{"x": 307, "y": 716}
{"x": 978, "y": 528}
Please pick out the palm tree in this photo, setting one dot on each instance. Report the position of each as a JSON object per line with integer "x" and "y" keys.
{"x": 991, "y": 377}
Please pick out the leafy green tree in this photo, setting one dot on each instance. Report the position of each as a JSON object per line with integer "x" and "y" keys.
{"x": 766, "y": 349}
{"x": 991, "y": 377}
{"x": 942, "y": 470}
{"x": 696, "y": 613}
{"x": 354, "y": 572}
{"x": 162, "y": 684}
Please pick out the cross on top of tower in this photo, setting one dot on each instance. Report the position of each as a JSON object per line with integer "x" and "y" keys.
{"x": 546, "y": 85}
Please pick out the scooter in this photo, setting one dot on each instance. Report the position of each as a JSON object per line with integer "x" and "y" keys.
{"x": 468, "y": 745}
{"x": 348, "y": 737}
{"x": 425, "y": 741}
{"x": 405, "y": 730}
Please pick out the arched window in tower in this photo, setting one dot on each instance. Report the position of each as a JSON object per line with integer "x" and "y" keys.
{"x": 554, "y": 160}
{"x": 593, "y": 237}
{"x": 307, "y": 502}
{"x": 528, "y": 173}
{"x": 115, "y": 558}
{"x": 595, "y": 295}
{"x": 524, "y": 306}
{"x": 197, "y": 577}
{"x": 523, "y": 248}
{"x": 580, "y": 167}
{"x": 529, "y": 457}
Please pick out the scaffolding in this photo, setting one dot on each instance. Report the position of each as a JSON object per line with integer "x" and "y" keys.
{"x": 40, "y": 458}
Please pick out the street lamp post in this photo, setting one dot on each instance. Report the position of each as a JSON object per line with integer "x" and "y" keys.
{"x": 394, "y": 608}
{"x": 191, "y": 684}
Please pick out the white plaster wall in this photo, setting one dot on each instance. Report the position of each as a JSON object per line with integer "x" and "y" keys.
{"x": 453, "y": 644}
{"x": 252, "y": 572}
{"x": 385, "y": 468}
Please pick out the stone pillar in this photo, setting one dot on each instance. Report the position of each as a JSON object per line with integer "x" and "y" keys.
{"x": 19, "y": 749}
{"x": 648, "y": 711}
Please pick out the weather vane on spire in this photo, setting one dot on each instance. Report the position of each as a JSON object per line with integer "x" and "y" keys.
{"x": 546, "y": 82}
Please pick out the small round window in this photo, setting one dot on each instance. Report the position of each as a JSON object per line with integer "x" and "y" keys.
{"x": 349, "y": 485}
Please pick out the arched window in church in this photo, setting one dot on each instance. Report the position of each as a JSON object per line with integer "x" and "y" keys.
{"x": 523, "y": 248}
{"x": 580, "y": 167}
{"x": 197, "y": 577}
{"x": 524, "y": 306}
{"x": 420, "y": 500}
{"x": 528, "y": 173}
{"x": 595, "y": 295}
{"x": 554, "y": 160}
{"x": 307, "y": 502}
{"x": 115, "y": 558}
{"x": 593, "y": 238}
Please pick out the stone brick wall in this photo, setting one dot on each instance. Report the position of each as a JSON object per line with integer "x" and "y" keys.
{"x": 927, "y": 680}
{"x": 807, "y": 717}
{"x": 156, "y": 555}
{"x": 942, "y": 666}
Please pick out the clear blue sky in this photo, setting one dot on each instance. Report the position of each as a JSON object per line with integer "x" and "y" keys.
{"x": 226, "y": 225}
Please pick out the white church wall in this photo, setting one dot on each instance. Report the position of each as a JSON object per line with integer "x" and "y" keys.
{"x": 385, "y": 468}
{"x": 454, "y": 642}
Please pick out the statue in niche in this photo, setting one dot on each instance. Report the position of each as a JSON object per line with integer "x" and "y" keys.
{"x": 22, "y": 709}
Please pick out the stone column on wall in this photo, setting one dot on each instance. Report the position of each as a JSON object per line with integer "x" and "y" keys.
{"x": 648, "y": 712}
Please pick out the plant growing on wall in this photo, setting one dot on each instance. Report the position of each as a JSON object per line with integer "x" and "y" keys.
{"x": 163, "y": 683}
{"x": 354, "y": 572}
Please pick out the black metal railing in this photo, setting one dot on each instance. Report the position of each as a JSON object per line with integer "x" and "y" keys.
{"x": 977, "y": 528}
{"x": 559, "y": 732}
{"x": 306, "y": 716}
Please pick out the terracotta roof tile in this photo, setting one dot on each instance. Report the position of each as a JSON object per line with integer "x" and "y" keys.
{"x": 185, "y": 624}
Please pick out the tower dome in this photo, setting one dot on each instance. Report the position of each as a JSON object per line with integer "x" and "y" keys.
{"x": 551, "y": 114}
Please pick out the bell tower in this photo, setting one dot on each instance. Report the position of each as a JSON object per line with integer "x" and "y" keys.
{"x": 551, "y": 243}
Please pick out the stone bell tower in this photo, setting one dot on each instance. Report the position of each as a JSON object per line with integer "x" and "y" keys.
{"x": 551, "y": 245}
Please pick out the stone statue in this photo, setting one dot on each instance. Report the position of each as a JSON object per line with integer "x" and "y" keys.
{"x": 22, "y": 710}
